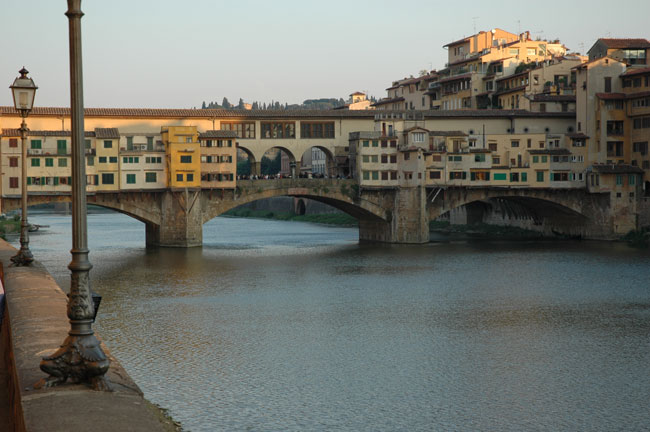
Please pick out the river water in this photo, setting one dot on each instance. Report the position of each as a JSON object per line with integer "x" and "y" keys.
{"x": 288, "y": 326}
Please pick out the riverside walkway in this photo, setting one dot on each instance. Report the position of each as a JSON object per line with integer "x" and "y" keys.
{"x": 35, "y": 324}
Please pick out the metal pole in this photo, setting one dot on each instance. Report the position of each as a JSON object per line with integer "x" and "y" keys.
{"x": 24, "y": 256}
{"x": 80, "y": 358}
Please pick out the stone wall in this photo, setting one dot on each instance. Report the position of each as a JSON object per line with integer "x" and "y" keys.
{"x": 34, "y": 325}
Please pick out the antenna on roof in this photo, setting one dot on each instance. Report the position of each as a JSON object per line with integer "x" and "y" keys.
{"x": 518, "y": 26}
{"x": 474, "y": 20}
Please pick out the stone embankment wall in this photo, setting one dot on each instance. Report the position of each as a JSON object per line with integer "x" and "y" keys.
{"x": 34, "y": 325}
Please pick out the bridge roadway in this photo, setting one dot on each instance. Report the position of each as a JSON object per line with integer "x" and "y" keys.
{"x": 174, "y": 217}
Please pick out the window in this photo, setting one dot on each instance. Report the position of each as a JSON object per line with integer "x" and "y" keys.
{"x": 36, "y": 162}
{"x": 129, "y": 143}
{"x": 559, "y": 176}
{"x": 109, "y": 143}
{"x": 540, "y": 176}
{"x": 615, "y": 127}
{"x": 384, "y": 158}
{"x": 112, "y": 159}
{"x": 375, "y": 143}
{"x": 375, "y": 175}
{"x": 188, "y": 139}
{"x": 179, "y": 177}
{"x": 35, "y": 144}
{"x": 91, "y": 160}
{"x": 365, "y": 158}
{"x": 49, "y": 162}
{"x": 87, "y": 143}
{"x": 13, "y": 161}
{"x": 243, "y": 129}
{"x": 63, "y": 162}
{"x": 418, "y": 137}
{"x": 13, "y": 182}
{"x": 186, "y": 159}
{"x": 619, "y": 180}
{"x": 316, "y": 129}
{"x": 130, "y": 179}
{"x": 631, "y": 179}
{"x": 608, "y": 84}
{"x": 514, "y": 177}
{"x": 514, "y": 143}
{"x": 393, "y": 158}
{"x": 384, "y": 175}
{"x": 640, "y": 147}
{"x": 150, "y": 177}
{"x": 278, "y": 130}
{"x": 150, "y": 143}
{"x": 479, "y": 157}
{"x": 434, "y": 175}
{"x": 615, "y": 148}
{"x": 492, "y": 146}
{"x": 108, "y": 178}
{"x": 457, "y": 175}
{"x": 544, "y": 159}
{"x": 531, "y": 51}
{"x": 366, "y": 175}
{"x": 535, "y": 159}
{"x": 366, "y": 143}
{"x": 524, "y": 176}
{"x": 102, "y": 159}
{"x": 13, "y": 142}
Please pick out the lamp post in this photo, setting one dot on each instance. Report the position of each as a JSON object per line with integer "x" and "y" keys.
{"x": 81, "y": 357}
{"x": 24, "y": 91}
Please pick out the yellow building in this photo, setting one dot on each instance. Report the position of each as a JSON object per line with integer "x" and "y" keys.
{"x": 183, "y": 154}
{"x": 218, "y": 159}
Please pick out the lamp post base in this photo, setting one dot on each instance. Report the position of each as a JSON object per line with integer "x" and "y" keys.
{"x": 81, "y": 359}
{"x": 24, "y": 257}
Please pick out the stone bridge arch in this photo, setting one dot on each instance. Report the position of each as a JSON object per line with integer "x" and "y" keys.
{"x": 143, "y": 206}
{"x": 340, "y": 194}
{"x": 572, "y": 211}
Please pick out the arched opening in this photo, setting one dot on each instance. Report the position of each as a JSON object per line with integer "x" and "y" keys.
{"x": 646, "y": 188}
{"x": 246, "y": 163}
{"x": 319, "y": 162}
{"x": 532, "y": 214}
{"x": 279, "y": 162}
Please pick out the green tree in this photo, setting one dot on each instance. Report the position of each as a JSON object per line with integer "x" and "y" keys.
{"x": 244, "y": 167}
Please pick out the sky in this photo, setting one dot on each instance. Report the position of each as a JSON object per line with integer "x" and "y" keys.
{"x": 177, "y": 54}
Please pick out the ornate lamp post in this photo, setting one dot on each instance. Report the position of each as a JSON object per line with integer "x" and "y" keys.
{"x": 24, "y": 91}
{"x": 81, "y": 357}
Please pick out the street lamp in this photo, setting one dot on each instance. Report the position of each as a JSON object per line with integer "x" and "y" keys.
{"x": 24, "y": 91}
{"x": 81, "y": 357}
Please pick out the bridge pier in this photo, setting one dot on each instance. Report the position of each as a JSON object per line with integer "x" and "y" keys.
{"x": 408, "y": 221}
{"x": 181, "y": 220}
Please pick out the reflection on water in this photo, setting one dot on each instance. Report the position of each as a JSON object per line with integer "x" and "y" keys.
{"x": 290, "y": 326}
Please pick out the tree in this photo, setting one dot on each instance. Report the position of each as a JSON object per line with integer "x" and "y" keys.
{"x": 203, "y": 105}
{"x": 424, "y": 72}
{"x": 256, "y": 105}
{"x": 225, "y": 103}
{"x": 240, "y": 105}
{"x": 244, "y": 167}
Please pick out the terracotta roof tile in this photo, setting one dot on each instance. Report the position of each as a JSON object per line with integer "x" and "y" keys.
{"x": 109, "y": 133}
{"x": 635, "y": 71}
{"x": 218, "y": 134}
{"x": 617, "y": 169}
{"x": 618, "y": 43}
{"x": 41, "y": 133}
{"x": 193, "y": 113}
{"x": 610, "y": 96}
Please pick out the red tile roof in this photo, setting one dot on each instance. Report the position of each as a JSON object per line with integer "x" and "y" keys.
{"x": 619, "y": 43}
{"x": 218, "y": 134}
{"x": 636, "y": 71}
{"x": 193, "y": 113}
{"x": 40, "y": 133}
{"x": 617, "y": 169}
{"x": 610, "y": 96}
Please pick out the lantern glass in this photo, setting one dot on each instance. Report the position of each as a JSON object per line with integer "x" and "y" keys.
{"x": 24, "y": 91}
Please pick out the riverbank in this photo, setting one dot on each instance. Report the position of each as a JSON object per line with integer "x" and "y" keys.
{"x": 339, "y": 219}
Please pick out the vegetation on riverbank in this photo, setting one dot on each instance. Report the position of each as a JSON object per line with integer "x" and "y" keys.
{"x": 638, "y": 239}
{"x": 165, "y": 418}
{"x": 327, "y": 219}
{"x": 9, "y": 225}
{"x": 500, "y": 231}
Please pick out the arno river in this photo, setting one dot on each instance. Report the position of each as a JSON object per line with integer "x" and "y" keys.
{"x": 275, "y": 326}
